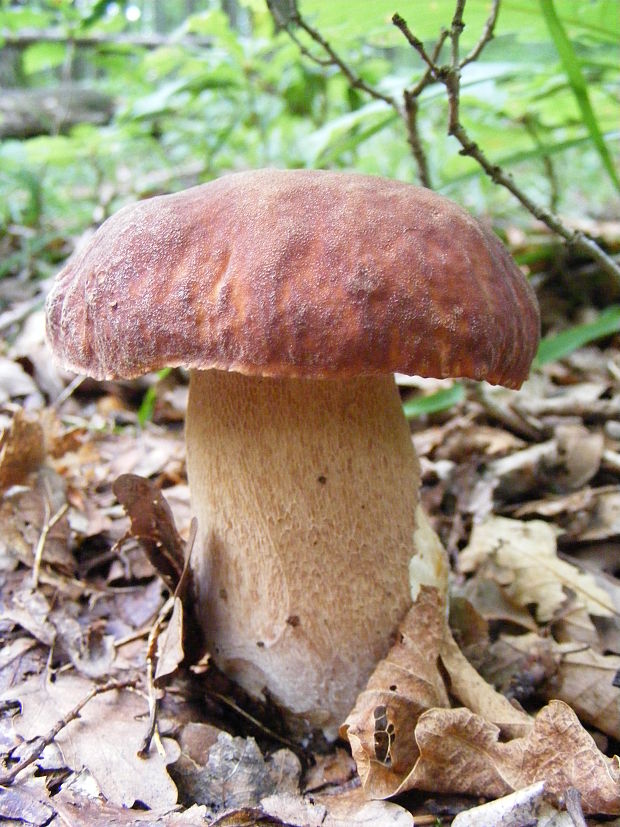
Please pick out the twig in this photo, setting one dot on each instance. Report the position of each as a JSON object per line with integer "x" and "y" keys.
{"x": 36, "y": 746}
{"x": 572, "y": 801}
{"x": 270, "y": 732}
{"x": 154, "y": 694}
{"x": 487, "y": 35}
{"x": 48, "y": 525}
{"x": 450, "y": 77}
{"x": 355, "y": 81}
{"x": 68, "y": 391}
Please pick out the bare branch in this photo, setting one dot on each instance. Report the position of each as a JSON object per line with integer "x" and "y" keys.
{"x": 450, "y": 77}
{"x": 413, "y": 136}
{"x": 355, "y": 80}
{"x": 485, "y": 37}
{"x": 33, "y": 749}
{"x": 414, "y": 42}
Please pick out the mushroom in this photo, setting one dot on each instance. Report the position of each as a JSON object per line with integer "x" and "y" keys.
{"x": 293, "y": 297}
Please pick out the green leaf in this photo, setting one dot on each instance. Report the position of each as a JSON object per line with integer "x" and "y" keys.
{"x": 434, "y": 402}
{"x": 564, "y": 343}
{"x": 577, "y": 82}
{"x": 147, "y": 406}
{"x": 43, "y": 56}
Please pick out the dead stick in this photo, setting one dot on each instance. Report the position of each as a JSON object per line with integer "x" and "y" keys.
{"x": 48, "y": 525}
{"x": 37, "y": 745}
{"x": 153, "y": 692}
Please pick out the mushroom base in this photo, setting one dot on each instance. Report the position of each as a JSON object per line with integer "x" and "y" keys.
{"x": 305, "y": 493}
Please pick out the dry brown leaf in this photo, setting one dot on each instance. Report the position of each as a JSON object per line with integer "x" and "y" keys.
{"x": 24, "y": 512}
{"x": 582, "y": 678}
{"x": 461, "y": 752}
{"x": 477, "y": 695}
{"x": 380, "y": 728}
{"x": 527, "y": 806}
{"x": 492, "y": 603}
{"x": 21, "y": 805}
{"x": 351, "y": 808}
{"x": 237, "y": 775}
{"x": 525, "y": 553}
{"x": 22, "y": 450}
{"x": 153, "y": 524}
{"x": 170, "y": 644}
{"x": 104, "y": 739}
{"x": 15, "y": 382}
{"x": 78, "y": 811}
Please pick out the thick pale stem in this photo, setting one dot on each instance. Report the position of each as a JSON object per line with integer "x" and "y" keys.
{"x": 305, "y": 493}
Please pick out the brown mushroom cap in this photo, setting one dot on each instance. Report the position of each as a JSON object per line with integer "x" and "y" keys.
{"x": 295, "y": 273}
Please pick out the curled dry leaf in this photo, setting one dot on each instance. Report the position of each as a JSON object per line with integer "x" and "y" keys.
{"x": 580, "y": 677}
{"x": 380, "y": 728}
{"x": 525, "y": 554}
{"x": 477, "y": 695}
{"x": 461, "y": 752}
{"x": 153, "y": 524}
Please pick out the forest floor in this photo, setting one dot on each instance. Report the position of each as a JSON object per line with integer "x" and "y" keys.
{"x": 523, "y": 488}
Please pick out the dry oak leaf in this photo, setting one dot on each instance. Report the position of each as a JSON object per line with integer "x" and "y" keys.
{"x": 22, "y": 450}
{"x": 381, "y": 726}
{"x": 460, "y": 752}
{"x": 104, "y": 739}
{"x": 525, "y": 553}
{"x": 476, "y": 694}
{"x": 583, "y": 678}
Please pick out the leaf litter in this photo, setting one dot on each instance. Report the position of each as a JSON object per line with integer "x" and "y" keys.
{"x": 522, "y": 489}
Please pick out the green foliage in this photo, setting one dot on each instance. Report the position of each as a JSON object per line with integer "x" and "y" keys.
{"x": 563, "y": 344}
{"x": 243, "y": 95}
{"x": 578, "y": 84}
{"x": 436, "y": 402}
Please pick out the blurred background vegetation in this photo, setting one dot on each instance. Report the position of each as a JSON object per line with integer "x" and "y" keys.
{"x": 102, "y": 103}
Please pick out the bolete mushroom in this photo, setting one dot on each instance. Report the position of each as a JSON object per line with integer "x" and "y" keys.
{"x": 292, "y": 297}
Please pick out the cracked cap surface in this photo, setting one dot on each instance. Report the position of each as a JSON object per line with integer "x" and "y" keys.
{"x": 295, "y": 273}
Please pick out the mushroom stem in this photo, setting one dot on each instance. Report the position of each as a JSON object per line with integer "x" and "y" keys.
{"x": 305, "y": 493}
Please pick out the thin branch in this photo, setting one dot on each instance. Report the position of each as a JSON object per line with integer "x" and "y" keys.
{"x": 450, "y": 77}
{"x": 486, "y": 36}
{"x": 154, "y": 694}
{"x": 456, "y": 30}
{"x": 35, "y": 747}
{"x": 355, "y": 81}
{"x": 48, "y": 524}
{"x": 413, "y": 136}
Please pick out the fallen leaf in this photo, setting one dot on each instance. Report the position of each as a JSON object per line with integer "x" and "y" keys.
{"x": 22, "y": 450}
{"x": 525, "y": 554}
{"x": 153, "y": 524}
{"x": 237, "y": 775}
{"x": 24, "y": 513}
{"x": 477, "y": 695}
{"x": 21, "y": 805}
{"x": 461, "y": 752}
{"x": 351, "y": 808}
{"x": 79, "y": 811}
{"x": 104, "y": 739}
{"x": 583, "y": 678}
{"x": 381, "y": 726}
{"x": 527, "y": 806}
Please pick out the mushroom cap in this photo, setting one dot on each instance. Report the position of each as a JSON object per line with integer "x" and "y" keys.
{"x": 295, "y": 273}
